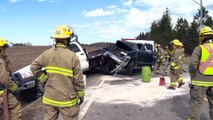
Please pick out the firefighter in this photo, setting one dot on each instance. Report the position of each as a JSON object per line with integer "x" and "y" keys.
{"x": 15, "y": 111}
{"x": 180, "y": 78}
{"x": 167, "y": 58}
{"x": 160, "y": 59}
{"x": 200, "y": 69}
{"x": 175, "y": 64}
{"x": 63, "y": 77}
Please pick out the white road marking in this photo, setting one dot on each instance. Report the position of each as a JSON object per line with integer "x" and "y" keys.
{"x": 91, "y": 99}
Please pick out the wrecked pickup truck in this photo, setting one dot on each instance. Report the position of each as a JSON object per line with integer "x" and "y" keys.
{"x": 129, "y": 56}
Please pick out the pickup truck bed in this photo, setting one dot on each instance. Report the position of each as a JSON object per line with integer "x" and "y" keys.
{"x": 95, "y": 53}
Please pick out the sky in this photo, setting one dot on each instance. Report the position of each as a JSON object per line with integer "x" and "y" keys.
{"x": 34, "y": 21}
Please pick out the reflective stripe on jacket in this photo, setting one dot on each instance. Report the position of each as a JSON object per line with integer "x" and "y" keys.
{"x": 59, "y": 70}
{"x": 1, "y": 92}
{"x": 42, "y": 78}
{"x": 70, "y": 103}
{"x": 206, "y": 61}
{"x": 64, "y": 84}
{"x": 176, "y": 59}
{"x": 5, "y": 80}
{"x": 160, "y": 54}
{"x": 197, "y": 78}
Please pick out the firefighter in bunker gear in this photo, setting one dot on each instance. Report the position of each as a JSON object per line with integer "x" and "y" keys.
{"x": 160, "y": 59}
{"x": 64, "y": 86}
{"x": 15, "y": 111}
{"x": 180, "y": 78}
{"x": 175, "y": 64}
{"x": 200, "y": 69}
{"x": 167, "y": 58}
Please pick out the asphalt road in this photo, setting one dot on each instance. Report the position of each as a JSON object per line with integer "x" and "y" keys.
{"x": 113, "y": 106}
{"x": 121, "y": 97}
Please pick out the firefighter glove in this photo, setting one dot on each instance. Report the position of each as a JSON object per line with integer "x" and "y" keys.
{"x": 81, "y": 100}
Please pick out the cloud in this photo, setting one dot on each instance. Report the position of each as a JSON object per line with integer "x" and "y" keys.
{"x": 210, "y": 6}
{"x": 111, "y": 6}
{"x": 139, "y": 16}
{"x": 14, "y": 1}
{"x": 98, "y": 12}
{"x": 110, "y": 10}
{"x": 55, "y": 1}
{"x": 128, "y": 3}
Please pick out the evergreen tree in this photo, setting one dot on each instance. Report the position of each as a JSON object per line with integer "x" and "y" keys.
{"x": 207, "y": 20}
{"x": 192, "y": 39}
{"x": 155, "y": 31}
{"x": 181, "y": 30}
{"x": 165, "y": 27}
{"x": 161, "y": 30}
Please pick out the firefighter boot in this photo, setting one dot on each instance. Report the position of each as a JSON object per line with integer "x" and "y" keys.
{"x": 171, "y": 88}
{"x": 181, "y": 84}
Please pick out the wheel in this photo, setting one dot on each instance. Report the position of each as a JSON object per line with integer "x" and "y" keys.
{"x": 103, "y": 65}
{"x": 108, "y": 68}
{"x": 130, "y": 67}
{"x": 103, "y": 69}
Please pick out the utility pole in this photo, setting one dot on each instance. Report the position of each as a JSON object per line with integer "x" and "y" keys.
{"x": 201, "y": 11}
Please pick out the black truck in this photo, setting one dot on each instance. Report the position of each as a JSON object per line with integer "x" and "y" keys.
{"x": 128, "y": 55}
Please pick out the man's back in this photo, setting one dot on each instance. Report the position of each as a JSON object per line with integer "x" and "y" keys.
{"x": 62, "y": 64}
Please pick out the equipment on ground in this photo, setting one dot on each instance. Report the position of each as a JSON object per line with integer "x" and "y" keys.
{"x": 162, "y": 81}
{"x": 146, "y": 74}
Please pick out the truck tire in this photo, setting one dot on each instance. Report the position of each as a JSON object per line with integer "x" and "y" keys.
{"x": 108, "y": 68}
{"x": 103, "y": 69}
{"x": 130, "y": 67}
{"x": 103, "y": 64}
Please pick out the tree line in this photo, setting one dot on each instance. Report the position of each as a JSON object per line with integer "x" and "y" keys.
{"x": 162, "y": 30}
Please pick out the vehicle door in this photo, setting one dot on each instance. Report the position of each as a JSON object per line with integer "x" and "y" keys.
{"x": 145, "y": 53}
{"x": 75, "y": 47}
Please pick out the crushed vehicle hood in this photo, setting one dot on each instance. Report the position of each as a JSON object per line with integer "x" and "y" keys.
{"x": 127, "y": 46}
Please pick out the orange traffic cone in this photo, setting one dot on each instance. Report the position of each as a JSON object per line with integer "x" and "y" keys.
{"x": 162, "y": 81}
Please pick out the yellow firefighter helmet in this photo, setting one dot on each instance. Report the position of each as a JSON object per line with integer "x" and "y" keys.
{"x": 4, "y": 43}
{"x": 205, "y": 32}
{"x": 62, "y": 32}
{"x": 181, "y": 44}
{"x": 176, "y": 42}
